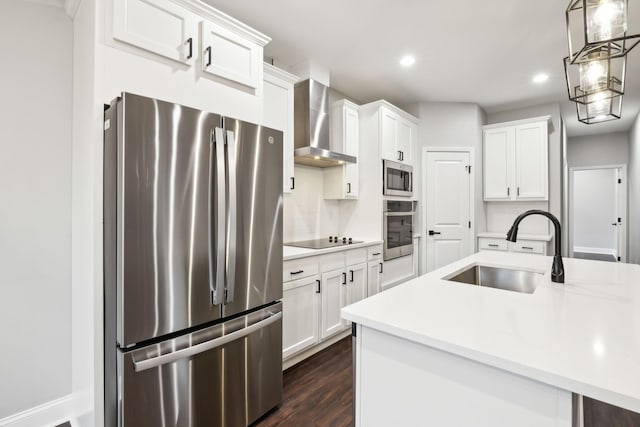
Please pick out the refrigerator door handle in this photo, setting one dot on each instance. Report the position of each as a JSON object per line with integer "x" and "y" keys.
{"x": 217, "y": 285}
{"x": 154, "y": 362}
{"x": 233, "y": 223}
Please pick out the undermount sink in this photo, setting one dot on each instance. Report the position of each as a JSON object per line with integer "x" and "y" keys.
{"x": 499, "y": 278}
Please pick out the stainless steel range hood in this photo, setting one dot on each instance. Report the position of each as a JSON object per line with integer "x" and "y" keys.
{"x": 311, "y": 127}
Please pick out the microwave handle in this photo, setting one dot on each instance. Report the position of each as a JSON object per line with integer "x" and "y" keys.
{"x": 410, "y": 181}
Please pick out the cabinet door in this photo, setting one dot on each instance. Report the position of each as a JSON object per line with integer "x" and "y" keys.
{"x": 300, "y": 315}
{"x": 497, "y": 164}
{"x": 405, "y": 138}
{"x": 159, "y": 26}
{"x": 356, "y": 285}
{"x": 389, "y": 135}
{"x": 531, "y": 161}
{"x": 351, "y": 145}
{"x": 373, "y": 277}
{"x": 227, "y": 55}
{"x": 277, "y": 110}
{"x": 333, "y": 292}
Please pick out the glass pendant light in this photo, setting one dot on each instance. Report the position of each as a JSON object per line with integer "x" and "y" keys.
{"x": 599, "y": 74}
{"x": 600, "y": 108}
{"x": 599, "y": 23}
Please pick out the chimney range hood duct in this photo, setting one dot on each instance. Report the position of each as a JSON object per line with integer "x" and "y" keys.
{"x": 311, "y": 127}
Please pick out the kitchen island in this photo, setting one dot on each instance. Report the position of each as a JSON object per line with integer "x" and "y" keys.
{"x": 441, "y": 353}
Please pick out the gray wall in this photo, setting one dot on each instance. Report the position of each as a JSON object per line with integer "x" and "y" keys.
{"x": 35, "y": 213}
{"x": 448, "y": 124}
{"x": 598, "y": 150}
{"x": 634, "y": 193}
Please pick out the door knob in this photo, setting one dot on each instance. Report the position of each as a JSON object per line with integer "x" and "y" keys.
{"x": 431, "y": 232}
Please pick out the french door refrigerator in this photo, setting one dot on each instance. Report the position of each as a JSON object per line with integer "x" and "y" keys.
{"x": 193, "y": 266}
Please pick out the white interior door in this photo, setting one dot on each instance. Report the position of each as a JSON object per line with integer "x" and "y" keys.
{"x": 448, "y": 208}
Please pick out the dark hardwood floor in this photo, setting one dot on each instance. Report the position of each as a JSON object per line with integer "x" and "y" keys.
{"x": 317, "y": 391}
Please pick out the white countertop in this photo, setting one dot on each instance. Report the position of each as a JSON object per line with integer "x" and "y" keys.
{"x": 583, "y": 336}
{"x": 292, "y": 252}
{"x": 521, "y": 236}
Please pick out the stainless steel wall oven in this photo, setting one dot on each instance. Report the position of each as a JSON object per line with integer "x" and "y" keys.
{"x": 398, "y": 228}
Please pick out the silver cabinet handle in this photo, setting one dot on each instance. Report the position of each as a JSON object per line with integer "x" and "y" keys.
{"x": 376, "y": 254}
{"x": 527, "y": 247}
{"x": 381, "y": 268}
{"x": 232, "y": 212}
{"x": 154, "y": 362}
{"x": 493, "y": 245}
{"x": 348, "y": 187}
{"x": 399, "y": 155}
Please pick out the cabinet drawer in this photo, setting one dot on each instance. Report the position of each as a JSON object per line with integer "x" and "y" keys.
{"x": 528, "y": 246}
{"x": 356, "y": 256}
{"x": 332, "y": 261}
{"x": 493, "y": 244}
{"x": 299, "y": 268}
{"x": 374, "y": 253}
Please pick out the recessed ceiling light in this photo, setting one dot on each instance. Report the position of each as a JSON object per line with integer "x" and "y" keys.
{"x": 407, "y": 60}
{"x": 540, "y": 78}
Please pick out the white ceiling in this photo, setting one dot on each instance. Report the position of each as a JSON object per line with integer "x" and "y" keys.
{"x": 484, "y": 52}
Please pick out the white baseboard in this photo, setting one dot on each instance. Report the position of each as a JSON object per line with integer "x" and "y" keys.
{"x": 601, "y": 251}
{"x": 47, "y": 415}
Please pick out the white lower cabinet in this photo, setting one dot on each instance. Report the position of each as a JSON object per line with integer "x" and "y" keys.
{"x": 526, "y": 246}
{"x": 333, "y": 290}
{"x": 315, "y": 291}
{"x": 356, "y": 287}
{"x": 301, "y": 302}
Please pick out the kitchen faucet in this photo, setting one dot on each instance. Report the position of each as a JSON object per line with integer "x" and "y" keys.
{"x": 557, "y": 269}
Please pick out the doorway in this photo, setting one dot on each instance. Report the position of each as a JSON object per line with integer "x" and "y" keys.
{"x": 597, "y": 213}
{"x": 448, "y": 205}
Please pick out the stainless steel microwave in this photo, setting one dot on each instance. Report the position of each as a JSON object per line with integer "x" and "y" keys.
{"x": 397, "y": 179}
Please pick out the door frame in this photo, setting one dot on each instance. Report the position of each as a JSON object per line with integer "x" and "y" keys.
{"x": 472, "y": 192}
{"x": 622, "y": 206}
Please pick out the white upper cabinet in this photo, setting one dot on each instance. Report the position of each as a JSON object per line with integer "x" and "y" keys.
{"x": 531, "y": 160}
{"x": 228, "y": 55}
{"x": 398, "y": 135}
{"x": 497, "y": 163}
{"x": 190, "y": 30}
{"x": 277, "y": 113}
{"x": 516, "y": 163}
{"x": 343, "y": 182}
{"x": 159, "y": 26}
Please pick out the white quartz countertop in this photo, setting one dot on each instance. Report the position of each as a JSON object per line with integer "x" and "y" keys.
{"x": 583, "y": 336}
{"x": 521, "y": 236}
{"x": 292, "y": 252}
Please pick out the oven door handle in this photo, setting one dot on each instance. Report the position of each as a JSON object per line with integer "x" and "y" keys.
{"x": 399, "y": 213}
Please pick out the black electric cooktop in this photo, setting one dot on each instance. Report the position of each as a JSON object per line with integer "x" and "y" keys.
{"x": 328, "y": 242}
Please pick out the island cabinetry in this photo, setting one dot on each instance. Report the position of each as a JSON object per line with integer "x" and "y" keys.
{"x": 277, "y": 113}
{"x": 516, "y": 161}
{"x": 190, "y": 32}
{"x": 343, "y": 182}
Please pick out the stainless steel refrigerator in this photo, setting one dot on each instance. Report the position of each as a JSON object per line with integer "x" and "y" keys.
{"x": 193, "y": 266}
